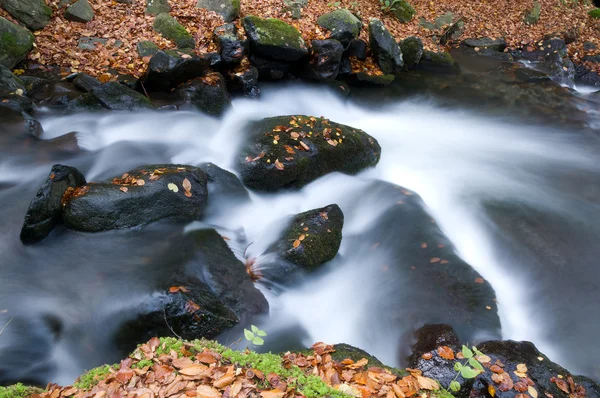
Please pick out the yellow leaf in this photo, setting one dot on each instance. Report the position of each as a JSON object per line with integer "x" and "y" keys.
{"x": 173, "y": 187}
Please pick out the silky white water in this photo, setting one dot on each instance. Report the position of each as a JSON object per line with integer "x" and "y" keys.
{"x": 453, "y": 159}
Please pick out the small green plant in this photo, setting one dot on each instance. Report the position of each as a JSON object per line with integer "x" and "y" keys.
{"x": 387, "y": 5}
{"x": 595, "y": 13}
{"x": 464, "y": 370}
{"x": 94, "y": 376}
{"x": 532, "y": 16}
{"x": 18, "y": 391}
{"x": 255, "y": 335}
{"x": 334, "y": 4}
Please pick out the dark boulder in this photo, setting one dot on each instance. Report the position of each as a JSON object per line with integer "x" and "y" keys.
{"x": 118, "y": 97}
{"x": 86, "y": 82}
{"x": 34, "y": 14}
{"x": 208, "y": 94}
{"x": 57, "y": 94}
{"x": 141, "y": 196}
{"x": 291, "y": 151}
{"x": 269, "y": 69}
{"x": 550, "y": 56}
{"x": 311, "y": 239}
{"x": 33, "y": 83}
{"x": 363, "y": 79}
{"x": 45, "y": 209}
{"x": 243, "y": 80}
{"x": 231, "y": 47}
{"x": 87, "y": 102}
{"x": 412, "y": 51}
{"x": 485, "y": 43}
{"x": 438, "y": 62}
{"x": 223, "y": 186}
{"x": 342, "y": 25}
{"x": 15, "y": 43}
{"x": 168, "y": 69}
{"x": 274, "y": 39}
{"x": 358, "y": 49}
{"x": 324, "y": 61}
{"x": 9, "y": 82}
{"x": 385, "y": 49}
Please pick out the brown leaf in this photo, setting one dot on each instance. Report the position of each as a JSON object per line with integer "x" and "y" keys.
{"x": 278, "y": 164}
{"x": 435, "y": 260}
{"x": 427, "y": 356}
{"x": 478, "y": 280}
{"x": 445, "y": 352}
{"x": 306, "y": 147}
{"x": 124, "y": 189}
{"x": 332, "y": 142}
{"x": 296, "y": 243}
{"x": 140, "y": 182}
{"x": 204, "y": 391}
{"x": 191, "y": 307}
{"x": 425, "y": 383}
{"x": 187, "y": 185}
{"x": 193, "y": 370}
{"x": 560, "y": 383}
{"x": 289, "y": 149}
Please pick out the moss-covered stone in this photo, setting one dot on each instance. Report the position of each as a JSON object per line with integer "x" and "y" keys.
{"x": 412, "y": 51}
{"x": 387, "y": 52}
{"x": 34, "y": 14}
{"x": 146, "y": 48}
{"x": 15, "y": 43}
{"x": 274, "y": 39}
{"x": 80, "y": 11}
{"x": 8, "y": 81}
{"x": 94, "y": 376}
{"x": 18, "y": 391}
{"x": 403, "y": 11}
{"x": 343, "y": 351}
{"x": 441, "y": 62}
{"x": 155, "y": 7}
{"x": 363, "y": 79}
{"x": 170, "y": 29}
{"x": 532, "y": 15}
{"x": 342, "y": 25}
{"x": 228, "y": 9}
{"x": 291, "y": 151}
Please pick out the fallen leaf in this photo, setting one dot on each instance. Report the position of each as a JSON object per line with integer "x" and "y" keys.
{"x": 296, "y": 243}
{"x": 532, "y": 391}
{"x": 445, "y": 352}
{"x": 427, "y": 356}
{"x": 124, "y": 189}
{"x": 187, "y": 185}
{"x": 425, "y": 383}
{"x": 140, "y": 182}
{"x": 272, "y": 394}
{"x": 435, "y": 260}
{"x": 204, "y": 391}
{"x": 478, "y": 280}
{"x": 172, "y": 187}
{"x": 191, "y": 307}
{"x": 278, "y": 164}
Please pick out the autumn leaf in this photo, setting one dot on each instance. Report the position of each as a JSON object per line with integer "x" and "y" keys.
{"x": 191, "y": 307}
{"x": 445, "y": 352}
{"x": 278, "y": 164}
{"x": 124, "y": 189}
{"x": 272, "y": 394}
{"x": 204, "y": 391}
{"x": 187, "y": 185}
{"x": 296, "y": 243}
{"x": 140, "y": 182}
{"x": 173, "y": 187}
{"x": 478, "y": 280}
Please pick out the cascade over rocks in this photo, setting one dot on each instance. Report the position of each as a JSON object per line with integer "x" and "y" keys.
{"x": 141, "y": 196}
{"x": 274, "y": 39}
{"x": 168, "y": 69}
{"x": 291, "y": 151}
{"x": 15, "y": 43}
{"x": 551, "y": 57}
{"x": 387, "y": 52}
{"x": 311, "y": 239}
{"x": 45, "y": 210}
{"x": 34, "y": 14}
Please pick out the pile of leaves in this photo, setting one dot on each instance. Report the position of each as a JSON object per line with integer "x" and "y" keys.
{"x": 168, "y": 367}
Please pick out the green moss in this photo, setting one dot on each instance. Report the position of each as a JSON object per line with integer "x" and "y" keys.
{"x": 340, "y": 21}
{"x": 532, "y": 16}
{"x": 142, "y": 364}
{"x": 18, "y": 391}
{"x": 94, "y": 376}
{"x": 441, "y": 58}
{"x": 15, "y": 43}
{"x": 403, "y": 11}
{"x": 169, "y": 28}
{"x": 273, "y": 32}
{"x": 595, "y": 13}
{"x": 412, "y": 51}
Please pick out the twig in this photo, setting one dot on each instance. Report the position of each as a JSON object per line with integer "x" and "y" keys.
{"x": 9, "y": 321}
{"x": 169, "y": 326}
{"x": 144, "y": 88}
{"x": 246, "y": 249}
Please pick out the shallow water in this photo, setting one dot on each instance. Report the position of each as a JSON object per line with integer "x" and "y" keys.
{"x": 69, "y": 293}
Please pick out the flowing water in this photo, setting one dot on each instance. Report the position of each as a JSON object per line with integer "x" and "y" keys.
{"x": 68, "y": 295}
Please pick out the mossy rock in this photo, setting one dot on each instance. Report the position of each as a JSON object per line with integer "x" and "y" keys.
{"x": 291, "y": 151}
{"x": 172, "y": 30}
{"x": 403, "y": 11}
{"x": 8, "y": 81}
{"x": 80, "y": 11}
{"x": 532, "y": 15}
{"x": 343, "y": 351}
{"x": 118, "y": 97}
{"x": 156, "y": 7}
{"x": 363, "y": 79}
{"x": 440, "y": 62}
{"x": 342, "y": 25}
{"x": 34, "y": 14}
{"x": 15, "y": 43}
{"x": 146, "y": 48}
{"x": 385, "y": 48}
{"x": 412, "y": 51}
{"x": 595, "y": 13}
{"x": 274, "y": 39}
{"x": 19, "y": 391}
{"x": 228, "y": 9}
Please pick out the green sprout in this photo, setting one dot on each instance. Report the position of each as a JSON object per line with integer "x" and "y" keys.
{"x": 255, "y": 335}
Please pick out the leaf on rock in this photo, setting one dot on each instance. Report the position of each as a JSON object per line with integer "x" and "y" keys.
{"x": 191, "y": 307}
{"x": 445, "y": 352}
{"x": 140, "y": 182}
{"x": 278, "y": 164}
{"x": 296, "y": 243}
{"x": 187, "y": 185}
{"x": 172, "y": 187}
{"x": 124, "y": 189}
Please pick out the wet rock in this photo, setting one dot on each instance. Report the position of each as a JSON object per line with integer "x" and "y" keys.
{"x": 128, "y": 81}
{"x": 274, "y": 39}
{"x": 33, "y": 83}
{"x": 172, "y": 30}
{"x": 363, "y": 79}
{"x": 586, "y": 77}
{"x": 438, "y": 62}
{"x": 15, "y": 43}
{"x": 485, "y": 43}
{"x": 14, "y": 103}
{"x": 324, "y": 61}
{"x": 80, "y": 11}
{"x": 269, "y": 69}
{"x": 403, "y": 11}
{"x": 551, "y": 56}
{"x": 56, "y": 94}
{"x": 244, "y": 81}
{"x": 168, "y": 69}
{"x": 223, "y": 185}
{"x": 231, "y": 48}
{"x": 34, "y": 14}
{"x": 155, "y": 7}
{"x": 358, "y": 49}
{"x": 117, "y": 97}
{"x": 345, "y": 67}
{"x": 146, "y": 48}
{"x": 9, "y": 82}
{"x": 412, "y": 51}
{"x": 531, "y": 75}
{"x": 541, "y": 371}
{"x": 291, "y": 151}
{"x": 342, "y": 25}
{"x": 86, "y": 83}
{"x": 128, "y": 202}
{"x": 208, "y": 94}
{"x": 87, "y": 102}
{"x": 385, "y": 49}
{"x": 44, "y": 212}
{"x": 228, "y": 9}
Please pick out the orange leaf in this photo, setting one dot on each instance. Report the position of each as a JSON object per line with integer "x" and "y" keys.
{"x": 296, "y": 243}
{"x": 445, "y": 352}
{"x": 187, "y": 185}
{"x": 278, "y": 164}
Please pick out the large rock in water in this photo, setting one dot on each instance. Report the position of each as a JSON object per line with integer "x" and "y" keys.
{"x": 228, "y": 9}
{"x": 291, "y": 151}
{"x": 208, "y": 94}
{"x": 15, "y": 43}
{"x": 342, "y": 25}
{"x": 34, "y": 14}
{"x": 118, "y": 97}
{"x": 274, "y": 39}
{"x": 387, "y": 52}
{"x": 141, "y": 196}
{"x": 312, "y": 238}
{"x": 168, "y": 69}
{"x": 45, "y": 209}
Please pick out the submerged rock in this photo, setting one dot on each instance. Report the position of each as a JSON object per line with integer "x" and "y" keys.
{"x": 34, "y": 14}
{"x": 311, "y": 239}
{"x": 550, "y": 56}
{"x": 15, "y": 43}
{"x": 139, "y": 197}
{"x": 274, "y": 39}
{"x": 363, "y": 79}
{"x": 387, "y": 52}
{"x": 342, "y": 25}
{"x": 168, "y": 69}
{"x": 228, "y": 9}
{"x": 291, "y": 151}
{"x": 208, "y": 94}
{"x": 44, "y": 212}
